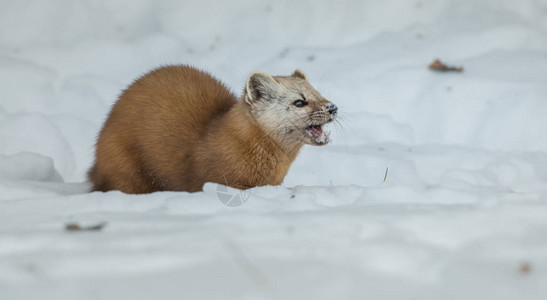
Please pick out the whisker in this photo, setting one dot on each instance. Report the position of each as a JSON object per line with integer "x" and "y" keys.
{"x": 341, "y": 132}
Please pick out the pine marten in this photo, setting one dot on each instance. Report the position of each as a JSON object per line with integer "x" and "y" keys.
{"x": 177, "y": 127}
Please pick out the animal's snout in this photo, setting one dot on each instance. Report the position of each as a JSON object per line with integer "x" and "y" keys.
{"x": 332, "y": 109}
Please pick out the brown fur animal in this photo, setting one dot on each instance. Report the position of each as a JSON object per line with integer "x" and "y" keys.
{"x": 177, "y": 127}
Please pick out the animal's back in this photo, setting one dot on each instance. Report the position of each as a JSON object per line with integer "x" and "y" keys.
{"x": 141, "y": 139}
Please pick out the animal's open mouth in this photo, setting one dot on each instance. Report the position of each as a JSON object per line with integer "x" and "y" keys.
{"x": 317, "y": 134}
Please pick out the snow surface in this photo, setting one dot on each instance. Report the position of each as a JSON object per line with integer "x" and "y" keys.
{"x": 462, "y": 213}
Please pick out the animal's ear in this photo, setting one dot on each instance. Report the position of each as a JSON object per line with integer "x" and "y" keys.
{"x": 299, "y": 74}
{"x": 260, "y": 86}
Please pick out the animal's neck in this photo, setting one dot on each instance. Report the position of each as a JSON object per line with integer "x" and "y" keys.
{"x": 240, "y": 121}
{"x": 256, "y": 151}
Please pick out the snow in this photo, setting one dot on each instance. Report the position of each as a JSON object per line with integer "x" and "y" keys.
{"x": 461, "y": 213}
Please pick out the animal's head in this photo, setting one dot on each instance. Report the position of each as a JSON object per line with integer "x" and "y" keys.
{"x": 288, "y": 107}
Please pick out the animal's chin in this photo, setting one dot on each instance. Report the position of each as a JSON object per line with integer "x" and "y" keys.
{"x": 315, "y": 135}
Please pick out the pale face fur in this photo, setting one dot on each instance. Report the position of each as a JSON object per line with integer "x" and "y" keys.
{"x": 289, "y": 108}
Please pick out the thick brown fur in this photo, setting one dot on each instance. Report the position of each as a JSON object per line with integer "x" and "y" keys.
{"x": 176, "y": 128}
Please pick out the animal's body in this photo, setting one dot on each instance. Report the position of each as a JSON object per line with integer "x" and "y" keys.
{"x": 177, "y": 127}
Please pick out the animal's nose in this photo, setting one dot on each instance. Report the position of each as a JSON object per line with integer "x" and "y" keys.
{"x": 332, "y": 109}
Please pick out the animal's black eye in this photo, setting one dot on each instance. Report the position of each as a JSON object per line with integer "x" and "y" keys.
{"x": 300, "y": 103}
